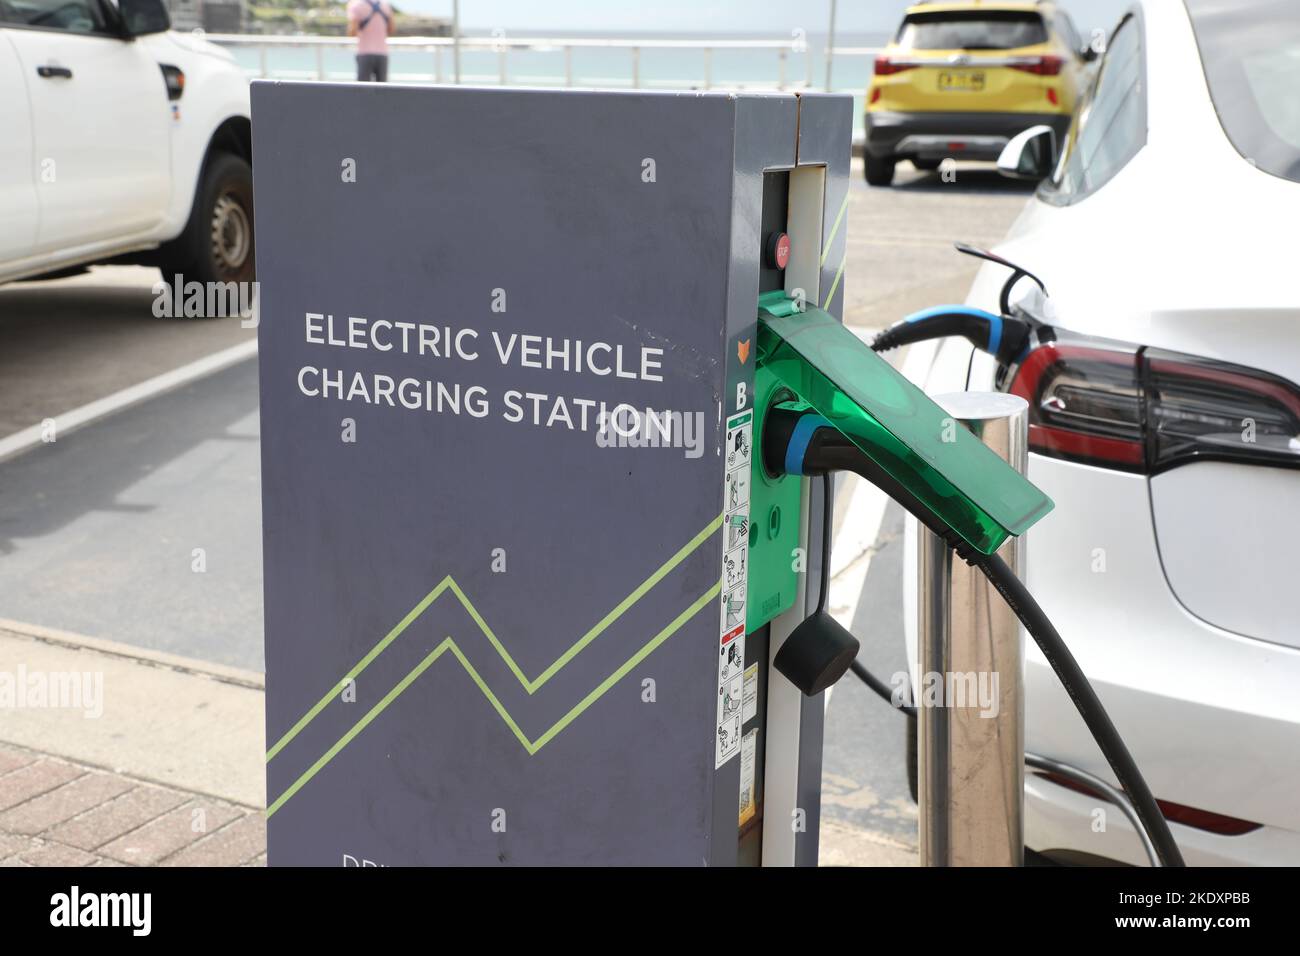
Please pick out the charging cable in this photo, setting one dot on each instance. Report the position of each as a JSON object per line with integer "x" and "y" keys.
{"x": 802, "y": 442}
{"x": 1008, "y": 338}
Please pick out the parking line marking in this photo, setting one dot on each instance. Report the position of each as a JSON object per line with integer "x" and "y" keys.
{"x": 28, "y": 438}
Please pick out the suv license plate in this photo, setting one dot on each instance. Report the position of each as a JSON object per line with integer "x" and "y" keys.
{"x": 961, "y": 81}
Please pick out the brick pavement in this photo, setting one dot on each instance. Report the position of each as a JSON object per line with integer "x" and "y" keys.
{"x": 56, "y": 812}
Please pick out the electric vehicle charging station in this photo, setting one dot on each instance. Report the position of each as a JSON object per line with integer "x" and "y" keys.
{"x": 499, "y": 627}
{"x": 542, "y": 375}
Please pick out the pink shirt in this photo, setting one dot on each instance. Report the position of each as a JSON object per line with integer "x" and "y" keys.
{"x": 373, "y": 38}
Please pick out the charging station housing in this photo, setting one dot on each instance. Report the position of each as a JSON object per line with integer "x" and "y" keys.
{"x": 502, "y": 628}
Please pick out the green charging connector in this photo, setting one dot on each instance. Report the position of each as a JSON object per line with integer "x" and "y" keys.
{"x": 962, "y": 484}
{"x": 774, "y": 507}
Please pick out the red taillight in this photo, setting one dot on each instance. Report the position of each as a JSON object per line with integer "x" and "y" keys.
{"x": 1146, "y": 410}
{"x": 1205, "y": 820}
{"x": 1084, "y": 404}
{"x": 1202, "y": 408}
{"x": 887, "y": 67}
{"x": 1039, "y": 65}
{"x": 1173, "y": 812}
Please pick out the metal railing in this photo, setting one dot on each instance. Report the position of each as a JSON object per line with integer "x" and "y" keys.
{"x": 444, "y": 62}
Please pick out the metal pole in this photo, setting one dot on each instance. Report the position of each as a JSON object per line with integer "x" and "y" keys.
{"x": 455, "y": 36}
{"x": 830, "y": 47}
{"x": 971, "y": 723}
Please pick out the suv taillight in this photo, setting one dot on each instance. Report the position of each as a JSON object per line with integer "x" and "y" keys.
{"x": 887, "y": 67}
{"x": 1039, "y": 65}
{"x": 1147, "y": 410}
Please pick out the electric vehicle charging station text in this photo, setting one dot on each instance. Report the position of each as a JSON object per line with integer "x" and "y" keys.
{"x": 524, "y": 569}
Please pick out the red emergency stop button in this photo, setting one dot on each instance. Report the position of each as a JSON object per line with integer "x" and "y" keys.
{"x": 778, "y": 250}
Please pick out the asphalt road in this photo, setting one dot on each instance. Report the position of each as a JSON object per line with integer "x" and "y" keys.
{"x": 144, "y": 527}
{"x": 67, "y": 342}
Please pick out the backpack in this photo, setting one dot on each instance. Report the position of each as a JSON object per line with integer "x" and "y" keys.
{"x": 375, "y": 7}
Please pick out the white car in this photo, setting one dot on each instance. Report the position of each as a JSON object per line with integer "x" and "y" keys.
{"x": 121, "y": 140}
{"x": 1165, "y": 423}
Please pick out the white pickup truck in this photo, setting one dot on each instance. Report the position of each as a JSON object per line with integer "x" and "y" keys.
{"x": 122, "y": 141}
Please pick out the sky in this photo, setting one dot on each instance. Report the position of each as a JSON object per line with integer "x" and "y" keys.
{"x": 708, "y": 16}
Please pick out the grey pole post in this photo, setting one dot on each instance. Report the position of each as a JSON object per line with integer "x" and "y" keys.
{"x": 830, "y": 47}
{"x": 972, "y": 748}
{"x": 455, "y": 36}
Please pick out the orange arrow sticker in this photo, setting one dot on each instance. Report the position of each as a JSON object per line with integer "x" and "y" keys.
{"x": 742, "y": 350}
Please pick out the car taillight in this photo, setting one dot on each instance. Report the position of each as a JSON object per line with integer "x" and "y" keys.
{"x": 1084, "y": 404}
{"x": 1173, "y": 812}
{"x": 1202, "y": 408}
{"x": 1147, "y": 410}
{"x": 887, "y": 67}
{"x": 1039, "y": 65}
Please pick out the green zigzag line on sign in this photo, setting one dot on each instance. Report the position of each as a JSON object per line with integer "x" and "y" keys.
{"x": 530, "y": 685}
{"x": 839, "y": 274}
{"x": 839, "y": 219}
{"x": 531, "y": 746}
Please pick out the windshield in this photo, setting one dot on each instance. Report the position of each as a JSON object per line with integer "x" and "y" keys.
{"x": 1251, "y": 53}
{"x": 977, "y": 30}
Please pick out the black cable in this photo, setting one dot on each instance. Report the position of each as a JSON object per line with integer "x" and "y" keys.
{"x": 881, "y": 688}
{"x": 1117, "y": 797}
{"x": 828, "y": 496}
{"x": 864, "y": 675}
{"x": 1081, "y": 693}
{"x": 1085, "y": 699}
{"x": 829, "y": 451}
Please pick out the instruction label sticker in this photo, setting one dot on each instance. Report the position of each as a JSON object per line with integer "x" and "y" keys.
{"x": 729, "y": 720}
{"x": 748, "y": 763}
{"x": 749, "y": 708}
{"x": 738, "y": 453}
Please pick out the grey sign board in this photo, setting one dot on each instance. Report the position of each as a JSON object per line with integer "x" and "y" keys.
{"x": 500, "y": 341}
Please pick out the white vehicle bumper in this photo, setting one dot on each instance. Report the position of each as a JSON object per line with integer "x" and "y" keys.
{"x": 1060, "y": 823}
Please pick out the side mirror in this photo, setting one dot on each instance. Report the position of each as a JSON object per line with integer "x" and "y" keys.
{"x": 1088, "y": 53}
{"x": 1029, "y": 155}
{"x": 142, "y": 17}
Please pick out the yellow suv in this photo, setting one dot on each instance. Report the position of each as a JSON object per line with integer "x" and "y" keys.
{"x": 961, "y": 79}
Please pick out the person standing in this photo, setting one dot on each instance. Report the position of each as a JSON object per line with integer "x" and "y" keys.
{"x": 371, "y": 22}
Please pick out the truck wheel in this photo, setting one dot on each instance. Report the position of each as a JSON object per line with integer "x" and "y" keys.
{"x": 217, "y": 244}
{"x": 880, "y": 172}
